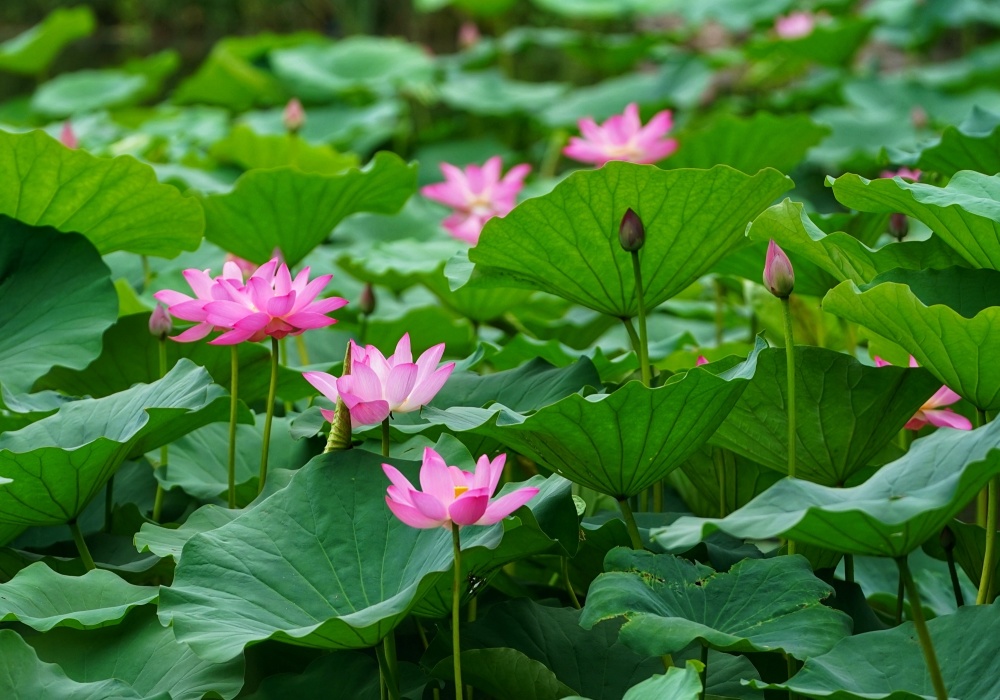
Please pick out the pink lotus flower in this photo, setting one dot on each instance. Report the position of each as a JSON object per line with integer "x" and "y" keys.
{"x": 206, "y": 290}
{"x": 623, "y": 137}
{"x": 932, "y": 411}
{"x": 795, "y": 25}
{"x": 451, "y": 495}
{"x": 67, "y": 137}
{"x": 702, "y": 360}
{"x": 904, "y": 172}
{"x": 271, "y": 304}
{"x": 379, "y": 385}
{"x": 294, "y": 116}
{"x": 246, "y": 267}
{"x": 476, "y": 194}
{"x": 779, "y": 277}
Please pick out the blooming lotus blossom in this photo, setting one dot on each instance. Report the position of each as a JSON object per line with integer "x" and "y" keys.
{"x": 795, "y": 25}
{"x": 905, "y": 173}
{"x": 67, "y": 137}
{"x": 206, "y": 289}
{"x": 270, "y": 304}
{"x": 623, "y": 137}
{"x": 379, "y": 385}
{"x": 779, "y": 277}
{"x": 451, "y": 495}
{"x": 932, "y": 411}
{"x": 476, "y": 195}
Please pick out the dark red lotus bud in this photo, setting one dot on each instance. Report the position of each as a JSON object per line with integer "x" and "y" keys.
{"x": 631, "y": 233}
{"x": 899, "y": 226}
{"x": 366, "y": 303}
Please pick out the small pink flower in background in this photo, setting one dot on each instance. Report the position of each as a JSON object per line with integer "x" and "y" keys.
{"x": 160, "y": 323}
{"x": 270, "y": 304}
{"x": 294, "y": 116}
{"x": 468, "y": 35}
{"x": 623, "y": 137}
{"x": 67, "y": 137}
{"x": 476, "y": 195}
{"x": 779, "y": 277}
{"x": 206, "y": 289}
{"x": 932, "y": 412}
{"x": 379, "y": 385}
{"x": 451, "y": 495}
{"x": 702, "y": 360}
{"x": 904, "y": 173}
{"x": 246, "y": 267}
{"x": 795, "y": 25}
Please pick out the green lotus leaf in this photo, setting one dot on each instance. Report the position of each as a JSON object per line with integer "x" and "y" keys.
{"x": 314, "y": 581}
{"x": 294, "y": 211}
{"x": 715, "y": 482}
{"x": 903, "y": 505}
{"x": 233, "y": 75}
{"x": 944, "y": 318}
{"x": 353, "y": 673}
{"x": 169, "y": 541}
{"x": 131, "y": 355}
{"x": 677, "y": 684}
{"x": 381, "y": 65}
{"x": 33, "y": 51}
{"x": 566, "y": 242}
{"x": 489, "y": 92}
{"x": 42, "y": 599}
{"x": 27, "y": 676}
{"x": 973, "y": 145}
{"x": 60, "y": 300}
{"x": 248, "y": 149}
{"x": 830, "y": 44}
{"x": 841, "y": 254}
{"x": 505, "y": 673}
{"x": 850, "y": 671}
{"x": 759, "y": 605}
{"x": 60, "y": 462}
{"x": 965, "y": 213}
{"x": 143, "y": 654}
{"x": 846, "y": 412}
{"x": 618, "y": 443}
{"x": 969, "y": 553}
{"x": 749, "y": 144}
{"x": 117, "y": 203}
{"x": 879, "y": 580}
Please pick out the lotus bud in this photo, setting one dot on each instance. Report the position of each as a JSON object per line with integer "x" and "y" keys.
{"x": 160, "y": 324}
{"x": 899, "y": 225}
{"x": 919, "y": 117}
{"x": 468, "y": 35}
{"x": 67, "y": 137}
{"x": 366, "y": 303}
{"x": 631, "y": 233}
{"x": 294, "y": 116}
{"x": 702, "y": 360}
{"x": 779, "y": 277}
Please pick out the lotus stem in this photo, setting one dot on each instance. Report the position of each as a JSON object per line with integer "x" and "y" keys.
{"x": 388, "y": 685}
{"x": 647, "y": 373}
{"x": 720, "y": 472}
{"x": 300, "y": 346}
{"x": 550, "y": 161}
{"x": 704, "y": 671}
{"x": 982, "y": 500}
{"x": 147, "y": 274}
{"x": 385, "y": 438}
{"x": 786, "y": 309}
{"x": 569, "y": 584}
{"x": 658, "y": 497}
{"x": 900, "y": 591}
{"x": 849, "y": 568}
{"x": 81, "y": 546}
{"x": 392, "y": 682}
{"x": 917, "y": 611}
{"x": 633, "y": 338}
{"x": 990, "y": 557}
{"x": 109, "y": 502}
{"x": 362, "y": 328}
{"x": 158, "y": 498}
{"x": 272, "y": 390}
{"x": 720, "y": 311}
{"x": 456, "y": 600}
{"x": 956, "y": 585}
{"x": 234, "y": 387}
{"x": 633, "y": 529}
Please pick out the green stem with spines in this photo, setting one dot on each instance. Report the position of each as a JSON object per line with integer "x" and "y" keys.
{"x": 269, "y": 416}
{"x": 923, "y": 634}
{"x": 569, "y": 584}
{"x": 630, "y": 524}
{"x": 81, "y": 546}
{"x": 456, "y": 600}
{"x": 786, "y": 309}
{"x": 385, "y": 438}
{"x": 989, "y": 521}
{"x": 158, "y": 498}
{"x": 234, "y": 387}
{"x": 644, "y": 368}
{"x": 392, "y": 665}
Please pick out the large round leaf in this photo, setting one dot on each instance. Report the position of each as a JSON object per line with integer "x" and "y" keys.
{"x": 323, "y": 563}
{"x": 60, "y": 462}
{"x": 618, "y": 443}
{"x": 115, "y": 202}
{"x": 759, "y": 605}
{"x": 902, "y": 506}
{"x": 966, "y": 643}
{"x": 42, "y": 599}
{"x": 32, "y": 51}
{"x": 58, "y": 298}
{"x": 566, "y": 242}
{"x": 26, "y": 676}
{"x": 965, "y": 213}
{"x": 946, "y": 319}
{"x": 142, "y": 653}
{"x": 845, "y": 412}
{"x": 293, "y": 211}
{"x": 973, "y": 145}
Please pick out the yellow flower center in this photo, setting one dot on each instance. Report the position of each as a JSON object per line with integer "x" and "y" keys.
{"x": 459, "y": 490}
